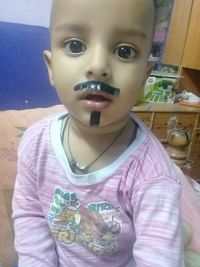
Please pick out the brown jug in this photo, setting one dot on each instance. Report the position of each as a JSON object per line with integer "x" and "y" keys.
{"x": 178, "y": 137}
{"x": 178, "y": 141}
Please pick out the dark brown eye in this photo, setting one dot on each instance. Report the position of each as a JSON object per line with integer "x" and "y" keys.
{"x": 126, "y": 52}
{"x": 75, "y": 46}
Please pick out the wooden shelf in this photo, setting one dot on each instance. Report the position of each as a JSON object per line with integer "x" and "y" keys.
{"x": 163, "y": 108}
{"x": 190, "y": 81}
{"x": 156, "y": 117}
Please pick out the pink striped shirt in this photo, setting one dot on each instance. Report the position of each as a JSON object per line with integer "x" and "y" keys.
{"x": 125, "y": 215}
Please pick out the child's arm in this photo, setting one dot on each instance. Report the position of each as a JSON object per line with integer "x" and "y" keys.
{"x": 157, "y": 224}
{"x": 33, "y": 240}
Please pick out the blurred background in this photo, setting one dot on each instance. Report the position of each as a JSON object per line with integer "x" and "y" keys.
{"x": 23, "y": 37}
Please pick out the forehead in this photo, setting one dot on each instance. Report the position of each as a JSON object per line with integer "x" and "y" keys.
{"x": 114, "y": 13}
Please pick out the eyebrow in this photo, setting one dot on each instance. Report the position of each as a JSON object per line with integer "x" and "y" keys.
{"x": 131, "y": 32}
{"x": 71, "y": 27}
{"x": 82, "y": 29}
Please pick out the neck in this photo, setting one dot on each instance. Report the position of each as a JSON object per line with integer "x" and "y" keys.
{"x": 85, "y": 144}
{"x": 95, "y": 132}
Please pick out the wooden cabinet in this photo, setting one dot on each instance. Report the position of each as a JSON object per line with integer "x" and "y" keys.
{"x": 191, "y": 55}
{"x": 156, "y": 117}
{"x": 183, "y": 39}
{"x": 183, "y": 43}
{"x": 177, "y": 32}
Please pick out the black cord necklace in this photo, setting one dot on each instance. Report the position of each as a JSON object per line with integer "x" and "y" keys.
{"x": 75, "y": 167}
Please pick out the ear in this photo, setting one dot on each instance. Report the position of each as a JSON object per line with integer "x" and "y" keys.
{"x": 48, "y": 63}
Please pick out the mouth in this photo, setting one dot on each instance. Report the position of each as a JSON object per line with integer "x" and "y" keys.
{"x": 97, "y": 98}
{"x": 96, "y": 101}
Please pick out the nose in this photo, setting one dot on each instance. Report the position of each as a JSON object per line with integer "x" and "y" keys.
{"x": 99, "y": 65}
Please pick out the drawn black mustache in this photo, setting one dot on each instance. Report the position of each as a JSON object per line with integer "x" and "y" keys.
{"x": 97, "y": 86}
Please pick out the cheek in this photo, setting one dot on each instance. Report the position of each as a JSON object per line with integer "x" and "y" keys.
{"x": 66, "y": 72}
{"x": 133, "y": 85}
{"x": 63, "y": 77}
{"x": 63, "y": 86}
{"x": 132, "y": 75}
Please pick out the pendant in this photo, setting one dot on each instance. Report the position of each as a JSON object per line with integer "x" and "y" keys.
{"x": 76, "y": 168}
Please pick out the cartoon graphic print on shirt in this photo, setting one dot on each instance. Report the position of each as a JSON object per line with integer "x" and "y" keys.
{"x": 95, "y": 226}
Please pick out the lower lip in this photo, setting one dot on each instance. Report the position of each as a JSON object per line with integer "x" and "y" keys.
{"x": 96, "y": 106}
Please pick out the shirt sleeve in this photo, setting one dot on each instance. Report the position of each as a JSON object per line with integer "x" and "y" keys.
{"x": 156, "y": 209}
{"x": 33, "y": 240}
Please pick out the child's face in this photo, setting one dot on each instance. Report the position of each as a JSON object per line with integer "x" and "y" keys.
{"x": 100, "y": 40}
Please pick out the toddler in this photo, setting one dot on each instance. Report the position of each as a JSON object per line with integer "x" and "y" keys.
{"x": 94, "y": 186}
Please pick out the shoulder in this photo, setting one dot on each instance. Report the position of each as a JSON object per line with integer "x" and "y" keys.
{"x": 153, "y": 162}
{"x": 37, "y": 135}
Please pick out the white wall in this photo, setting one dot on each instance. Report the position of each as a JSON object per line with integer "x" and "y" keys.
{"x": 31, "y": 12}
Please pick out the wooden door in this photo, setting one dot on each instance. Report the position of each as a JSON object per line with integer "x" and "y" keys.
{"x": 191, "y": 57}
{"x": 177, "y": 33}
